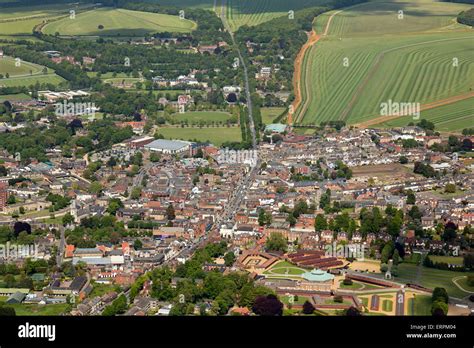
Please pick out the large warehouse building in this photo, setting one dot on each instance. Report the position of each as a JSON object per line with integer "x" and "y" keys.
{"x": 169, "y": 146}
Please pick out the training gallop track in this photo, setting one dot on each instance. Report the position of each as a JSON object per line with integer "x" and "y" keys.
{"x": 312, "y": 39}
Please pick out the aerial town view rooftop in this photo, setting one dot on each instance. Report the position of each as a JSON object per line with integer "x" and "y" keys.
{"x": 307, "y": 159}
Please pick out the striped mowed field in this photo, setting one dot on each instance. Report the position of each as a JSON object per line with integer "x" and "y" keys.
{"x": 254, "y": 12}
{"x": 447, "y": 118}
{"x": 118, "y": 22}
{"x": 374, "y": 53}
{"x": 20, "y": 21}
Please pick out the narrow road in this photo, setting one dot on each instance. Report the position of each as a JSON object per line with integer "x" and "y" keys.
{"x": 62, "y": 244}
{"x": 455, "y": 281}
{"x": 246, "y": 78}
{"x": 137, "y": 180}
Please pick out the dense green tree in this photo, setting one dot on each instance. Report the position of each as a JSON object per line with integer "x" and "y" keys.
{"x": 276, "y": 242}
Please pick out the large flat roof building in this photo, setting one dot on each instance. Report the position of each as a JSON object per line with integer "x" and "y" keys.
{"x": 169, "y": 146}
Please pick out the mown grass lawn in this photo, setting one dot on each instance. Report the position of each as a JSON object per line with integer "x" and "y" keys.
{"x": 99, "y": 289}
{"x": 387, "y": 305}
{"x": 118, "y": 22}
{"x": 353, "y": 286}
{"x": 452, "y": 260}
{"x": 215, "y": 135}
{"x": 432, "y": 278}
{"x": 300, "y": 300}
{"x": 34, "y": 309}
{"x": 419, "y": 305}
{"x": 201, "y": 116}
{"x": 269, "y": 114}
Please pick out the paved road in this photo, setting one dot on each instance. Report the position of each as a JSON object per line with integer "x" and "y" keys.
{"x": 62, "y": 244}
{"x": 246, "y": 78}
{"x": 137, "y": 180}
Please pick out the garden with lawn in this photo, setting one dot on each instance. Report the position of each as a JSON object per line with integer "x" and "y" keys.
{"x": 284, "y": 269}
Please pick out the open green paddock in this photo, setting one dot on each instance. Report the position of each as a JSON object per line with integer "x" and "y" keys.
{"x": 254, "y": 12}
{"x": 25, "y": 74}
{"x": 118, "y": 22}
{"x": 119, "y": 80}
{"x": 447, "y": 118}
{"x": 19, "y": 28}
{"x": 270, "y": 114}
{"x": 204, "y": 4}
{"x": 370, "y": 56}
{"x": 451, "y": 260}
{"x": 27, "y": 309}
{"x": 19, "y": 21}
{"x": 31, "y": 80}
{"x": 376, "y": 18}
{"x": 206, "y": 117}
{"x": 297, "y": 300}
{"x": 14, "y": 97}
{"x": 414, "y": 69}
{"x": 432, "y": 277}
{"x": 34, "y": 11}
{"x": 419, "y": 305}
{"x": 215, "y": 135}
{"x": 21, "y": 68}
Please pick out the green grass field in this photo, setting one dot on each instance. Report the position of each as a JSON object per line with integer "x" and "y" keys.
{"x": 21, "y": 68}
{"x": 28, "y": 81}
{"x": 370, "y": 56}
{"x": 204, "y": 4}
{"x": 254, "y": 12}
{"x": 452, "y": 260}
{"x": 201, "y": 116}
{"x": 284, "y": 269}
{"x": 43, "y": 310}
{"x": 216, "y": 135}
{"x": 354, "y": 286}
{"x": 420, "y": 305}
{"x": 387, "y": 305}
{"x": 14, "y": 97}
{"x": 25, "y": 74}
{"x": 118, "y": 22}
{"x": 447, "y": 118}
{"x": 431, "y": 278}
{"x": 269, "y": 114}
{"x": 20, "y": 21}
{"x": 300, "y": 300}
{"x": 119, "y": 80}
